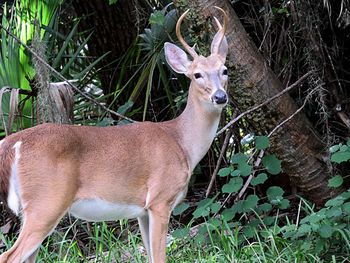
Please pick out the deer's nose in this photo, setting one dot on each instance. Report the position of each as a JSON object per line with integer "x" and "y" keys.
{"x": 220, "y": 97}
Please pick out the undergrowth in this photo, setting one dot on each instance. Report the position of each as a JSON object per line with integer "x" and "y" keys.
{"x": 256, "y": 227}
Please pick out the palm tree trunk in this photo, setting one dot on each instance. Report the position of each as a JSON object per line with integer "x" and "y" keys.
{"x": 251, "y": 83}
{"x": 114, "y": 29}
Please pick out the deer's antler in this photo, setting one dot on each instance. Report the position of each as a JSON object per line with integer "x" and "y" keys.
{"x": 189, "y": 49}
{"x": 222, "y": 29}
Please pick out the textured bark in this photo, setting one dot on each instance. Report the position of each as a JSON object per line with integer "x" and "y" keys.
{"x": 252, "y": 82}
{"x": 114, "y": 30}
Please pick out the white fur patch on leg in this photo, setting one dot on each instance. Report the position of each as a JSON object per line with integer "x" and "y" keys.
{"x": 13, "y": 199}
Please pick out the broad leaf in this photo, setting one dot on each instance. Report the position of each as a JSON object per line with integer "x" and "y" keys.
{"x": 224, "y": 171}
{"x": 325, "y": 231}
{"x": 261, "y": 142}
{"x": 250, "y": 202}
{"x": 346, "y": 208}
{"x": 157, "y": 18}
{"x": 181, "y": 233}
{"x": 340, "y": 157}
{"x": 274, "y": 191}
{"x": 284, "y": 204}
{"x": 272, "y": 164}
{"x": 335, "y": 181}
{"x": 233, "y": 186}
{"x": 245, "y": 169}
{"x": 239, "y": 158}
{"x": 179, "y": 209}
{"x": 259, "y": 179}
{"x": 215, "y": 207}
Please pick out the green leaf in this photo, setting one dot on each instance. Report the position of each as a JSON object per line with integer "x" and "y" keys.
{"x": 315, "y": 218}
{"x": 235, "y": 173}
{"x": 239, "y": 158}
{"x": 245, "y": 169}
{"x": 112, "y": 1}
{"x": 274, "y": 192}
{"x": 179, "y": 209}
{"x": 340, "y": 157}
{"x": 335, "y": 181}
{"x": 201, "y": 212}
{"x": 320, "y": 245}
{"x": 269, "y": 220}
{"x": 157, "y": 18}
{"x": 343, "y": 148}
{"x": 272, "y": 164}
{"x": 228, "y": 214}
{"x": 325, "y": 231}
{"x": 125, "y": 107}
{"x": 304, "y": 229}
{"x": 333, "y": 212}
{"x": 337, "y": 201}
{"x": 266, "y": 207}
{"x": 238, "y": 207}
{"x": 346, "y": 208}
{"x": 284, "y": 204}
{"x": 233, "y": 186}
{"x": 224, "y": 171}
{"x": 215, "y": 207}
{"x": 250, "y": 202}
{"x": 259, "y": 179}
{"x": 261, "y": 142}
{"x": 181, "y": 233}
{"x": 249, "y": 232}
{"x": 205, "y": 202}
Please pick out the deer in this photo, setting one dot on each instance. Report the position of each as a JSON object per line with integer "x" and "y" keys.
{"x": 139, "y": 170}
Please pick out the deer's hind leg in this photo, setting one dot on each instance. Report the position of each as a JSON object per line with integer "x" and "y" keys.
{"x": 38, "y": 222}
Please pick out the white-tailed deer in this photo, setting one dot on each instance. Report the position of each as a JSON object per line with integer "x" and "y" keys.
{"x": 139, "y": 170}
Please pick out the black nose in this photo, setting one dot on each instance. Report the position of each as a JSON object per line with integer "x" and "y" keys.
{"x": 220, "y": 97}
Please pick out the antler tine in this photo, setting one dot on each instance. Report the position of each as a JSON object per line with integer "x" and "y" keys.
{"x": 190, "y": 50}
{"x": 223, "y": 28}
{"x": 218, "y": 23}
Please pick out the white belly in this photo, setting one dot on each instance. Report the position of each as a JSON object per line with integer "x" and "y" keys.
{"x": 100, "y": 210}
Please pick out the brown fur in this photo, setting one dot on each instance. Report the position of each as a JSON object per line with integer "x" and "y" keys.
{"x": 6, "y": 160}
{"x": 144, "y": 165}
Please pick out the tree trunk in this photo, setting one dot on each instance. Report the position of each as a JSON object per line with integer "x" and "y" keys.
{"x": 251, "y": 83}
{"x": 114, "y": 30}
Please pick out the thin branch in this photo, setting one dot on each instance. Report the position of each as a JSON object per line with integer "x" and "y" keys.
{"x": 288, "y": 119}
{"x": 295, "y": 84}
{"x": 259, "y": 159}
{"x": 59, "y": 75}
{"x": 251, "y": 176}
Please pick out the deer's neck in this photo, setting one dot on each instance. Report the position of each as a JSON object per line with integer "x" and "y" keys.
{"x": 196, "y": 128}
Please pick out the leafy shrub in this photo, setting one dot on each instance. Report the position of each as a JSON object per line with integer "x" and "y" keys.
{"x": 257, "y": 218}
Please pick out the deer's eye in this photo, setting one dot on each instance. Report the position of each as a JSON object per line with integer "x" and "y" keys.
{"x": 224, "y": 72}
{"x": 197, "y": 75}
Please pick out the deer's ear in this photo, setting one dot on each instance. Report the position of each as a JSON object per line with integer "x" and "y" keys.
{"x": 176, "y": 58}
{"x": 220, "y": 48}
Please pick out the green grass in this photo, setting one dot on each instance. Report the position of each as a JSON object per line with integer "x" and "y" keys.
{"x": 83, "y": 242}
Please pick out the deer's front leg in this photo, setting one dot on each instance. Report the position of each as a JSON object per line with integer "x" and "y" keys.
{"x": 158, "y": 225}
{"x": 144, "y": 228}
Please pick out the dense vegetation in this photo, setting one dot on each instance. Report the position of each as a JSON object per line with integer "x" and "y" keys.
{"x": 274, "y": 186}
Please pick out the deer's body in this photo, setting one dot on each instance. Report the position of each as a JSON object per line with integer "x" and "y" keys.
{"x": 138, "y": 170}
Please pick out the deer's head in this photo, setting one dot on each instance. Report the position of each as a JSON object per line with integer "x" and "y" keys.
{"x": 208, "y": 74}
